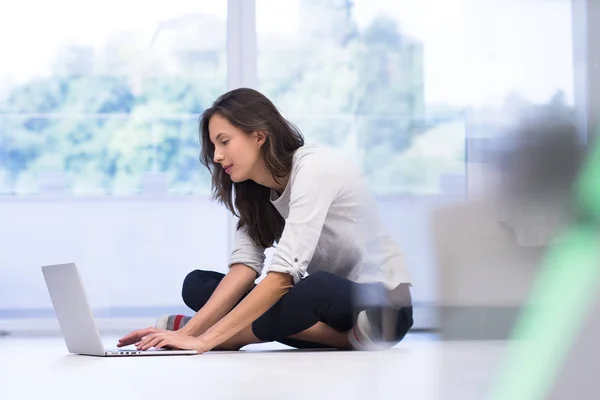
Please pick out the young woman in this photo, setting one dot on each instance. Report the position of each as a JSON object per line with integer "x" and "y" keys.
{"x": 336, "y": 280}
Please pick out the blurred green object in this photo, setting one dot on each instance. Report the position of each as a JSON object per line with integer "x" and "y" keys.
{"x": 562, "y": 297}
{"x": 587, "y": 194}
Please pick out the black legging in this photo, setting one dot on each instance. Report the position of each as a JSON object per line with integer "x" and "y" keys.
{"x": 321, "y": 296}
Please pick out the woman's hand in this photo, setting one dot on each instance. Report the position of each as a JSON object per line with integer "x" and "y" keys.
{"x": 174, "y": 339}
{"x": 136, "y": 336}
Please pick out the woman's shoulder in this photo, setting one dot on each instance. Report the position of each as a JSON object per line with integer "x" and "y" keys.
{"x": 324, "y": 159}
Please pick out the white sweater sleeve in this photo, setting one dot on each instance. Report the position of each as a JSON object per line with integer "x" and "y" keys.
{"x": 313, "y": 189}
{"x": 247, "y": 252}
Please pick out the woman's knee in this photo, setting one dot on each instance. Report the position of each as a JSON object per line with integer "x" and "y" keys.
{"x": 198, "y": 286}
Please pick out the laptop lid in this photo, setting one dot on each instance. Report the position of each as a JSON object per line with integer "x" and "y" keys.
{"x": 72, "y": 309}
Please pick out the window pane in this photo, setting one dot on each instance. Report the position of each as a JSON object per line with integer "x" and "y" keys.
{"x": 107, "y": 101}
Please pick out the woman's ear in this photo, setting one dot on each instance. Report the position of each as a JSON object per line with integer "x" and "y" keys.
{"x": 261, "y": 137}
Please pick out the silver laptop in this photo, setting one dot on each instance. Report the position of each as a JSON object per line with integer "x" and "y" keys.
{"x": 76, "y": 319}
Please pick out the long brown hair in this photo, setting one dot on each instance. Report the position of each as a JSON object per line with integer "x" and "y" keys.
{"x": 251, "y": 111}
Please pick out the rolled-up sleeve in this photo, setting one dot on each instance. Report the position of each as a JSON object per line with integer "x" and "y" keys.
{"x": 313, "y": 189}
{"x": 247, "y": 252}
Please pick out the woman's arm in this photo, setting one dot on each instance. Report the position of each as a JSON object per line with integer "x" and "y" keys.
{"x": 238, "y": 281}
{"x": 268, "y": 292}
{"x": 259, "y": 300}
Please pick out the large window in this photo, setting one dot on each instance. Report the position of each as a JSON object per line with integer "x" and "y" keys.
{"x": 99, "y": 149}
{"x": 99, "y": 112}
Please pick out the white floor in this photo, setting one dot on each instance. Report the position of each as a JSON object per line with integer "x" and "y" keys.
{"x": 418, "y": 368}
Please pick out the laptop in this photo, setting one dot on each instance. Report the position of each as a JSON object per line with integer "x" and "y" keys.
{"x": 76, "y": 318}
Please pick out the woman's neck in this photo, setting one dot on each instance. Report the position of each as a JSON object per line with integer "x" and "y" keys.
{"x": 266, "y": 179}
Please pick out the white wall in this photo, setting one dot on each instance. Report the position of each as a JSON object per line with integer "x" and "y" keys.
{"x": 131, "y": 252}
{"x": 135, "y": 252}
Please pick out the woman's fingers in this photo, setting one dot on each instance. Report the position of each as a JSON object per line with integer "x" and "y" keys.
{"x": 162, "y": 343}
{"x": 150, "y": 342}
{"x": 154, "y": 338}
{"x": 145, "y": 340}
{"x": 134, "y": 336}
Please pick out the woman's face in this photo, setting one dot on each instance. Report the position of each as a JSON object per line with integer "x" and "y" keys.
{"x": 236, "y": 151}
